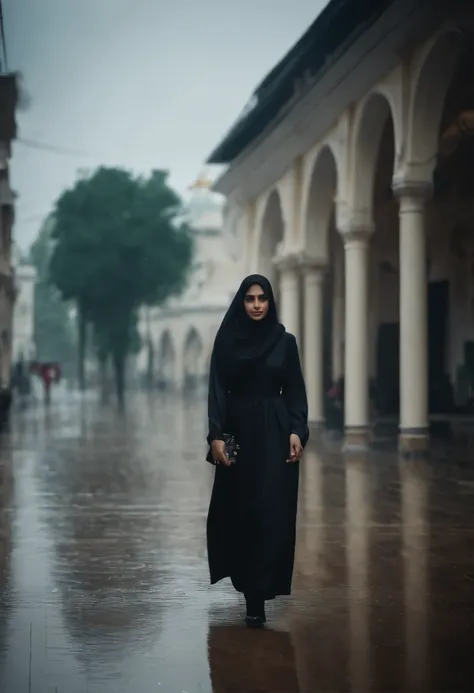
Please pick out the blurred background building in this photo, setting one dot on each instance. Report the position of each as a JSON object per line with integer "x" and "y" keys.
{"x": 23, "y": 316}
{"x": 177, "y": 338}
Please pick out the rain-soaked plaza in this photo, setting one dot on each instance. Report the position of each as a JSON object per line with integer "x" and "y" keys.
{"x": 104, "y": 573}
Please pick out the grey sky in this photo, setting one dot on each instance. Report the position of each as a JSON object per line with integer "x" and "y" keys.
{"x": 135, "y": 83}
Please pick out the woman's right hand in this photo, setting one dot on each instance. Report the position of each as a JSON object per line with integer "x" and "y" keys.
{"x": 218, "y": 452}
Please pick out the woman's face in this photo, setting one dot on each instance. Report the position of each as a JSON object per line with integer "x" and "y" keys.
{"x": 256, "y": 302}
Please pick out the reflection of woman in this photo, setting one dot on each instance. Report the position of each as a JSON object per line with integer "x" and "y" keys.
{"x": 257, "y": 394}
{"x": 264, "y": 662}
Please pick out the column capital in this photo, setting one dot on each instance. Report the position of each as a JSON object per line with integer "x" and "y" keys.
{"x": 414, "y": 189}
{"x": 286, "y": 261}
{"x": 300, "y": 261}
{"x": 353, "y": 234}
{"x": 311, "y": 263}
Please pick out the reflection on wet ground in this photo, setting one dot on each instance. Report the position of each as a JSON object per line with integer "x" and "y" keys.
{"x": 104, "y": 575}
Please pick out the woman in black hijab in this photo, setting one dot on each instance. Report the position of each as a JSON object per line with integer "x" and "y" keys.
{"x": 256, "y": 394}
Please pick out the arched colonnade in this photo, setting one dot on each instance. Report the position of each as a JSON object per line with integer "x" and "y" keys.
{"x": 362, "y": 223}
{"x": 180, "y": 362}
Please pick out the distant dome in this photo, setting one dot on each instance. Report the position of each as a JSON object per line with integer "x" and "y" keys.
{"x": 204, "y": 209}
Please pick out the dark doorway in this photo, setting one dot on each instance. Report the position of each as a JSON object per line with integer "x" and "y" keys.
{"x": 388, "y": 357}
{"x": 440, "y": 396}
{"x": 388, "y": 365}
{"x": 328, "y": 334}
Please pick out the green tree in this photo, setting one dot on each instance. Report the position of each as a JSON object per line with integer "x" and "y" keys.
{"x": 53, "y": 325}
{"x": 118, "y": 246}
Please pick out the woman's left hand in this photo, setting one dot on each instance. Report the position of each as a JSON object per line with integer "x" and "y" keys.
{"x": 296, "y": 449}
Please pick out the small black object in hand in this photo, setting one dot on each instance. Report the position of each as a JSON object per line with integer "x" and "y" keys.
{"x": 231, "y": 447}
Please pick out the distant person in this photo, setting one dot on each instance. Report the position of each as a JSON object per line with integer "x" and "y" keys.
{"x": 21, "y": 382}
{"x": 335, "y": 406}
{"x": 49, "y": 374}
{"x": 18, "y": 374}
{"x": 257, "y": 395}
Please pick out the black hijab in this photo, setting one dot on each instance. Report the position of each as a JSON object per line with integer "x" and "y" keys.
{"x": 242, "y": 342}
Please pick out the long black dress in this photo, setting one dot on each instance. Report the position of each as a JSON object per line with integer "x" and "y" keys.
{"x": 252, "y": 516}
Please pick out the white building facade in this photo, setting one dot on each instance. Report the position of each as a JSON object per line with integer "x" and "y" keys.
{"x": 354, "y": 166}
{"x": 178, "y": 337}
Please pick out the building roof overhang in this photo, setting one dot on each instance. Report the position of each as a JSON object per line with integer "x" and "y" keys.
{"x": 330, "y": 31}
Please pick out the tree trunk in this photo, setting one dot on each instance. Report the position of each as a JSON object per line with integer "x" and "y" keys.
{"x": 150, "y": 368}
{"x": 81, "y": 351}
{"x": 119, "y": 371}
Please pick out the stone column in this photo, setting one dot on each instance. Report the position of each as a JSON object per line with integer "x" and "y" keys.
{"x": 289, "y": 310}
{"x": 313, "y": 278}
{"x": 414, "y": 426}
{"x": 338, "y": 318}
{"x": 356, "y": 405}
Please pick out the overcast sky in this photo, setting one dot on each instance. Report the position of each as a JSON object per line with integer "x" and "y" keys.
{"x": 136, "y": 83}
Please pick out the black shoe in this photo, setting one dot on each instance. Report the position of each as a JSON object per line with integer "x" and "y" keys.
{"x": 255, "y": 617}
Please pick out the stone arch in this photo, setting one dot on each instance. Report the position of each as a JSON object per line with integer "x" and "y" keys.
{"x": 432, "y": 73}
{"x": 318, "y": 205}
{"x": 167, "y": 361}
{"x": 323, "y": 243}
{"x": 374, "y": 115}
{"x": 270, "y": 235}
{"x": 193, "y": 352}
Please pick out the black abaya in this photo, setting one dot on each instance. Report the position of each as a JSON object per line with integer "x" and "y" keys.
{"x": 252, "y": 516}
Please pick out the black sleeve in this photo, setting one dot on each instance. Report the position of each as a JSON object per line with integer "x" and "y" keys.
{"x": 216, "y": 403}
{"x": 294, "y": 392}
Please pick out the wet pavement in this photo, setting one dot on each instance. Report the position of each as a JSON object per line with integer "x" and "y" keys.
{"x": 104, "y": 575}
